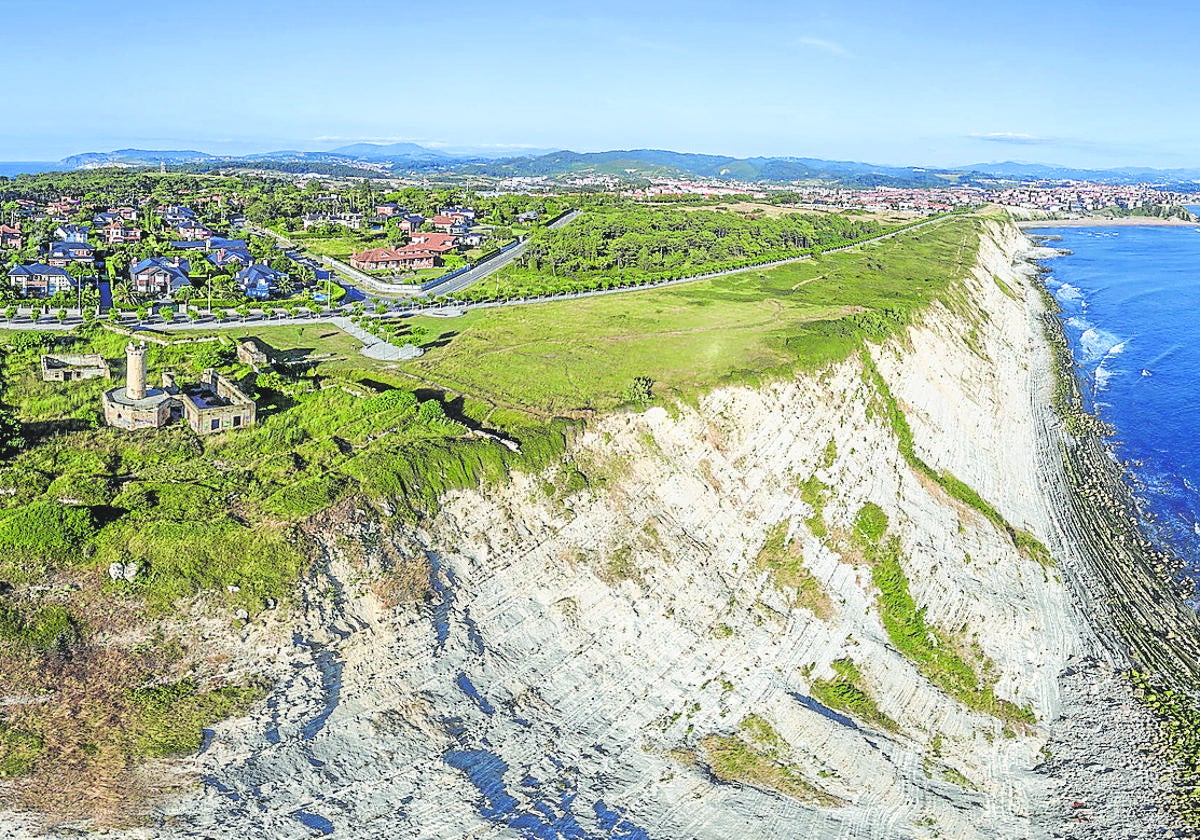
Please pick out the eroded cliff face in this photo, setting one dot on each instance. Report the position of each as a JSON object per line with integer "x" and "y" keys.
{"x": 645, "y": 655}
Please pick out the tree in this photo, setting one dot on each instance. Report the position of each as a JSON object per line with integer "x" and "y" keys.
{"x": 122, "y": 294}
{"x": 11, "y": 438}
{"x": 418, "y": 334}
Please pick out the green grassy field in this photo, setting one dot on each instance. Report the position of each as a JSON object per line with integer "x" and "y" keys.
{"x": 577, "y": 355}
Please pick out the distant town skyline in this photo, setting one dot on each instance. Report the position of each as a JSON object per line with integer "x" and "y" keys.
{"x": 941, "y": 84}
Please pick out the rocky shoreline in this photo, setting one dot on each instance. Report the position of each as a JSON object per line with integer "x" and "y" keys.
{"x": 1133, "y": 602}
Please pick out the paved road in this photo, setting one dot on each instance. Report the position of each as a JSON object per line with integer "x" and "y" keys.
{"x": 468, "y": 278}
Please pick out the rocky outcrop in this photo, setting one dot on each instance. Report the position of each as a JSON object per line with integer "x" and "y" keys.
{"x": 604, "y": 651}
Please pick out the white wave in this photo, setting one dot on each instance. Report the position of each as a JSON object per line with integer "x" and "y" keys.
{"x": 1096, "y": 343}
{"x": 1067, "y": 292}
{"x": 1117, "y": 349}
{"x": 1101, "y": 377}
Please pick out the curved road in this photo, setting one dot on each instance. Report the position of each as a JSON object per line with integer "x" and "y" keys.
{"x": 467, "y": 278}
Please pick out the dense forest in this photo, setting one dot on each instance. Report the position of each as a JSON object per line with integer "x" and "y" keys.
{"x": 632, "y": 244}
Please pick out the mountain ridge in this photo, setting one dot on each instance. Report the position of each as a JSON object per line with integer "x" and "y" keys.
{"x": 636, "y": 164}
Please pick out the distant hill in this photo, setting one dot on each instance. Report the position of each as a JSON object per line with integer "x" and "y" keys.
{"x": 376, "y": 151}
{"x": 658, "y": 163}
{"x": 132, "y": 157}
{"x": 380, "y": 160}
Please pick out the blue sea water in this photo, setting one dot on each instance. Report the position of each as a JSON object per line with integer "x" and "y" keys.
{"x": 10, "y": 168}
{"x": 1131, "y": 308}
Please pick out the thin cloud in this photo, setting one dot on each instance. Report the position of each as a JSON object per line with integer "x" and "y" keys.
{"x": 831, "y": 47}
{"x": 1012, "y": 137}
{"x": 360, "y": 139}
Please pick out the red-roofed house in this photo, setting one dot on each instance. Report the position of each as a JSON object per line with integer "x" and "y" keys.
{"x": 437, "y": 242}
{"x": 385, "y": 259}
{"x": 10, "y": 237}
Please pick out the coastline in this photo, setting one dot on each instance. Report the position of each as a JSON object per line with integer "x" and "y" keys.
{"x": 1147, "y": 661}
{"x": 1105, "y": 221}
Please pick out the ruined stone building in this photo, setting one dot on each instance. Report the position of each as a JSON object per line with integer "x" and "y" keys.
{"x": 213, "y": 404}
{"x": 66, "y": 367}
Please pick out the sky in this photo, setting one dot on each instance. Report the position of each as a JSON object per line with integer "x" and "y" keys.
{"x": 1096, "y": 84}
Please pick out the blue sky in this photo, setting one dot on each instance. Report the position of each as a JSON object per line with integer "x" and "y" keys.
{"x": 1099, "y": 83}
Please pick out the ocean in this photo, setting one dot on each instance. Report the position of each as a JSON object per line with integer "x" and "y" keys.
{"x": 10, "y": 168}
{"x": 1130, "y": 298}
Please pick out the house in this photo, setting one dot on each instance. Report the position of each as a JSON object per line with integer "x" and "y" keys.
{"x": 62, "y": 254}
{"x": 259, "y": 281}
{"x": 389, "y": 209}
{"x": 467, "y": 214}
{"x": 116, "y": 233}
{"x": 349, "y": 220}
{"x": 444, "y": 223}
{"x": 471, "y": 239}
{"x": 228, "y": 256}
{"x": 72, "y": 233}
{"x": 63, "y": 209}
{"x": 177, "y": 214}
{"x": 73, "y": 367}
{"x": 528, "y": 216}
{"x": 385, "y": 259}
{"x": 437, "y": 242}
{"x": 411, "y": 222}
{"x": 215, "y": 243}
{"x": 39, "y": 280}
{"x": 114, "y": 214}
{"x": 159, "y": 276}
{"x": 414, "y": 257}
{"x": 10, "y": 237}
{"x": 191, "y": 229}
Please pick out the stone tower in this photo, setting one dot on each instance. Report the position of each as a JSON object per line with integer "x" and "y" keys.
{"x": 135, "y": 371}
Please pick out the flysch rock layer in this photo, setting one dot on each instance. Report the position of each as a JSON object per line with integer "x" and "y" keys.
{"x": 579, "y": 648}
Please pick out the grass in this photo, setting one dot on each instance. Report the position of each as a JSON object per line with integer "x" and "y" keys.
{"x": 757, "y": 755}
{"x": 783, "y": 560}
{"x": 815, "y": 493}
{"x": 758, "y": 325}
{"x": 934, "y": 652}
{"x": 846, "y": 692}
{"x": 170, "y": 716}
{"x": 19, "y": 751}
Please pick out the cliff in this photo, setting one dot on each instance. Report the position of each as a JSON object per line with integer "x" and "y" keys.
{"x": 750, "y": 617}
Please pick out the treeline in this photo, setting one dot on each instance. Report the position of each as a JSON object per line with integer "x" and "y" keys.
{"x": 640, "y": 242}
